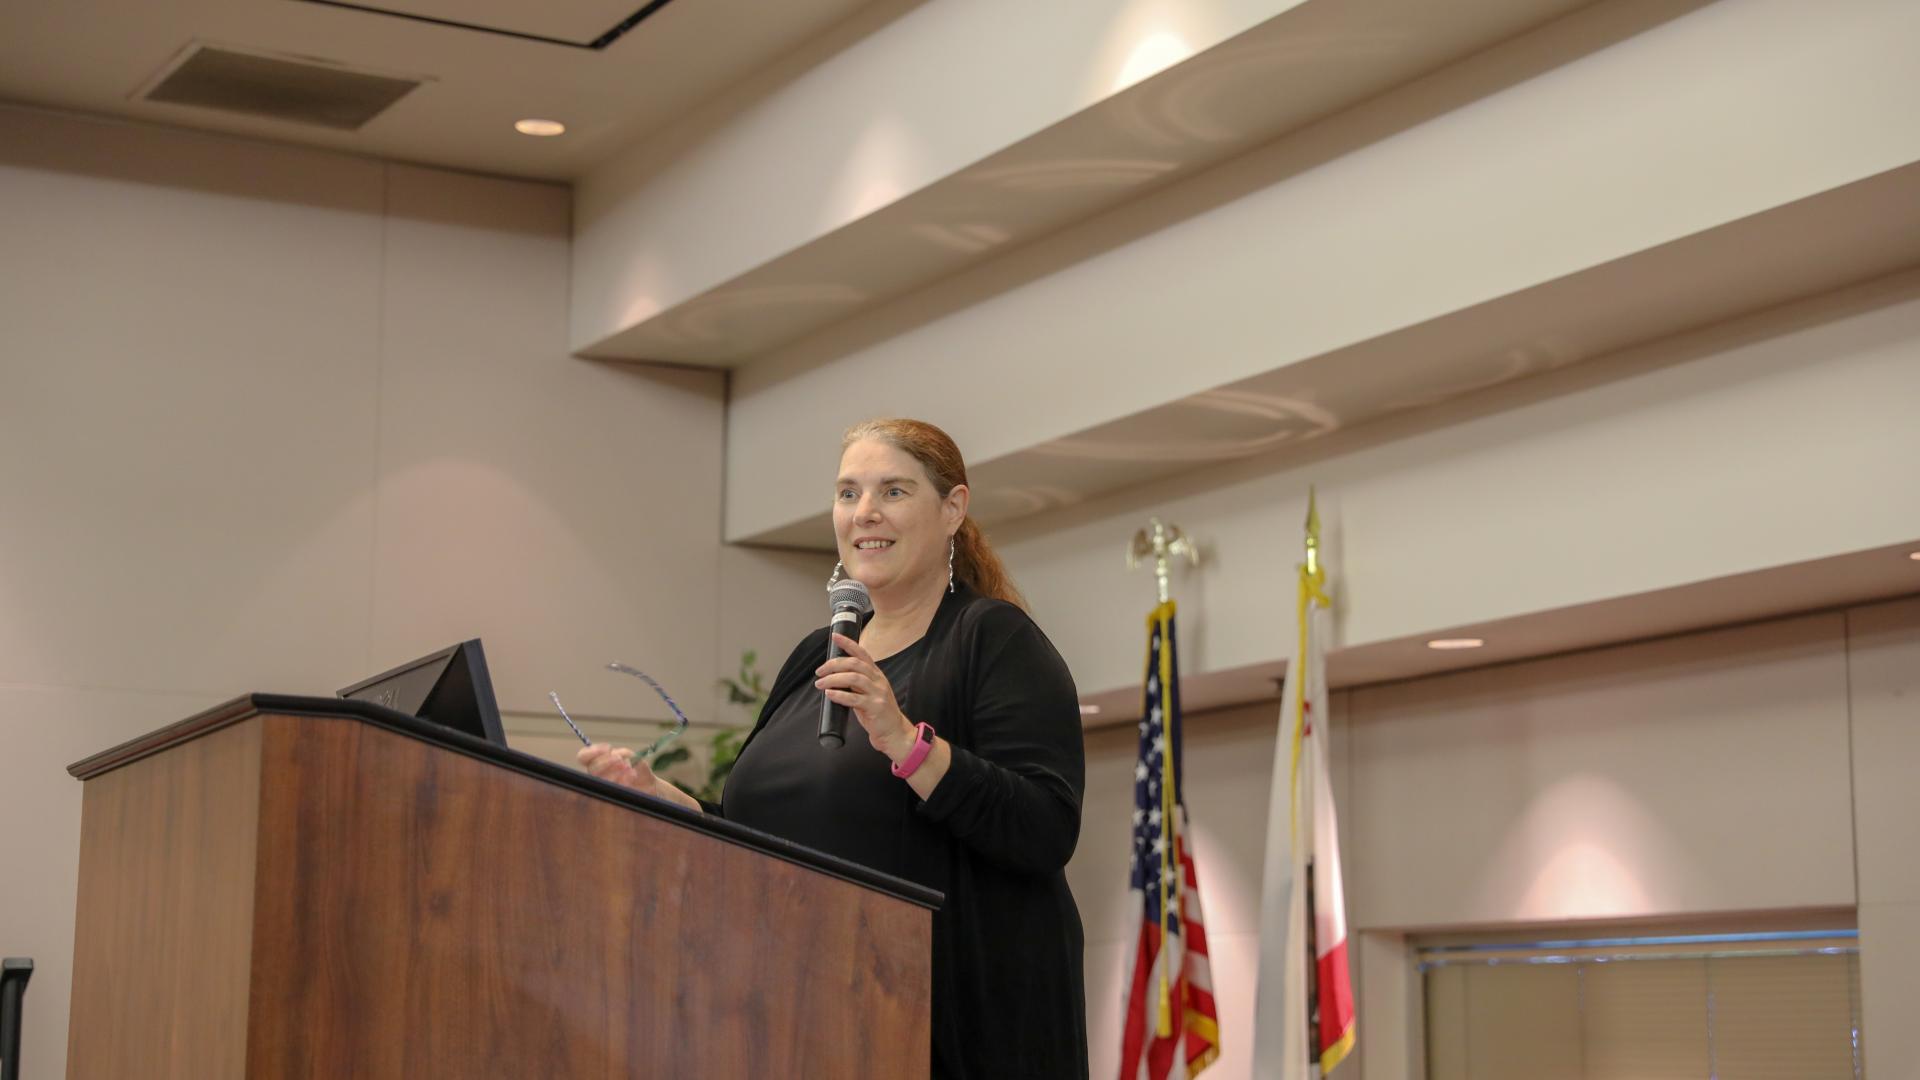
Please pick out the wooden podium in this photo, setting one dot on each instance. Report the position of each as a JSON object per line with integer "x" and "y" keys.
{"x": 291, "y": 887}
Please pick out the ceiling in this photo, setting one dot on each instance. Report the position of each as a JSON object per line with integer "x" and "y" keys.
{"x": 95, "y": 55}
{"x": 1851, "y": 234}
{"x": 1281, "y": 76}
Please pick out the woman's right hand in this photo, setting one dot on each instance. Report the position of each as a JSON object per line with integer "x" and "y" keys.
{"x": 620, "y": 765}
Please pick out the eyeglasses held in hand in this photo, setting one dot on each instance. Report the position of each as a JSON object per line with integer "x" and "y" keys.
{"x": 666, "y": 738}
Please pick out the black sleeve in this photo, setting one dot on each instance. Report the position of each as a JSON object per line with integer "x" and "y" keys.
{"x": 1015, "y": 796}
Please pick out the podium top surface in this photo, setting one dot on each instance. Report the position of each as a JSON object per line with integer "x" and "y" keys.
{"x": 346, "y": 711}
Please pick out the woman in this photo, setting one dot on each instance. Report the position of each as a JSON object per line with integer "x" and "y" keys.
{"x": 972, "y": 771}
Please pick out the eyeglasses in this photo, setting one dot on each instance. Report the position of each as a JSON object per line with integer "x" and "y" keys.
{"x": 666, "y": 738}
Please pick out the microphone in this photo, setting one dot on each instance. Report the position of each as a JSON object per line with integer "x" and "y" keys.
{"x": 849, "y": 602}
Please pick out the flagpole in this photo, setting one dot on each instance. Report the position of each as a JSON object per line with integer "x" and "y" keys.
{"x": 1165, "y": 543}
{"x": 1327, "y": 954}
{"x": 1313, "y": 581}
{"x": 1170, "y": 1013}
{"x": 1285, "y": 1036}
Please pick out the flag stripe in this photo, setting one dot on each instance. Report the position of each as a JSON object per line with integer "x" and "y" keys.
{"x": 1133, "y": 1033}
{"x": 1336, "y": 996}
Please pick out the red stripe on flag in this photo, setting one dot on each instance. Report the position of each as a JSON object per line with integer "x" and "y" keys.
{"x": 1336, "y": 994}
{"x": 1198, "y": 1047}
{"x": 1134, "y": 1039}
{"x": 1196, "y": 938}
{"x": 1160, "y": 1054}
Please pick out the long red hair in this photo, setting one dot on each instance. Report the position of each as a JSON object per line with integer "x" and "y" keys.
{"x": 974, "y": 561}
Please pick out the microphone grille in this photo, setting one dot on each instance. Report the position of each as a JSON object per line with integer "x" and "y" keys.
{"x": 849, "y": 593}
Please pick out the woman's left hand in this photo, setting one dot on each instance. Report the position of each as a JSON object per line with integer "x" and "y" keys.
{"x": 854, "y": 680}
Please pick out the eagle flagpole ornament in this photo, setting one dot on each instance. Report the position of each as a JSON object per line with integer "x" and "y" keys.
{"x": 1165, "y": 543}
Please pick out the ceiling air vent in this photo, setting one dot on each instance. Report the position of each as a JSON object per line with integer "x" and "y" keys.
{"x": 296, "y": 90}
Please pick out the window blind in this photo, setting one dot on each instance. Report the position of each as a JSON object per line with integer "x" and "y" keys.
{"x": 1689, "y": 1007}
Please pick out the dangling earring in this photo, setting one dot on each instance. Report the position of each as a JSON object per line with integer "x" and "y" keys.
{"x": 949, "y": 564}
{"x": 839, "y": 571}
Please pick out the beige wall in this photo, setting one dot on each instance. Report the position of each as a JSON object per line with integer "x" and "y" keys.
{"x": 1883, "y": 657}
{"x": 1704, "y": 775}
{"x": 275, "y": 419}
{"x": 1658, "y": 779}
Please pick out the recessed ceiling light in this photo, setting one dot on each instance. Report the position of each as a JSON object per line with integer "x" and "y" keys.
{"x": 1089, "y": 710}
{"x": 1456, "y": 643}
{"x": 1914, "y": 555}
{"x": 539, "y": 127}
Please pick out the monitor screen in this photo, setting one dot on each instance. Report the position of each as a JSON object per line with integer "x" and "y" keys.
{"x": 450, "y": 688}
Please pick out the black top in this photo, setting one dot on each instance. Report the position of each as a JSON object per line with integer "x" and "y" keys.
{"x": 1008, "y": 993}
{"x": 845, "y": 802}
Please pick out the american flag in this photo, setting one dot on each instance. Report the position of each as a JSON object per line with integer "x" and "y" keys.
{"x": 1172, "y": 1026}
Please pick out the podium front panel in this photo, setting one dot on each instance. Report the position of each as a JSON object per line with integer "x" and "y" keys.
{"x": 323, "y": 891}
{"x": 422, "y": 913}
{"x": 162, "y": 930}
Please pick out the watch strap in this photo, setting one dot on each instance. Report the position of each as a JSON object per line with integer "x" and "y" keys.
{"x": 922, "y": 746}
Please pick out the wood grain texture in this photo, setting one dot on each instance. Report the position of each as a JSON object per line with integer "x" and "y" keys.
{"x": 421, "y": 913}
{"x": 164, "y": 918}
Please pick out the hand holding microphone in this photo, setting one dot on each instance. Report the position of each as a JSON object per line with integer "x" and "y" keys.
{"x": 848, "y": 602}
{"x": 854, "y": 680}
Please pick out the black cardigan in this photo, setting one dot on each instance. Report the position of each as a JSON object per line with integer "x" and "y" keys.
{"x": 1009, "y": 997}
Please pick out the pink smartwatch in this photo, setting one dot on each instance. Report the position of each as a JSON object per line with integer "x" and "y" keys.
{"x": 922, "y": 746}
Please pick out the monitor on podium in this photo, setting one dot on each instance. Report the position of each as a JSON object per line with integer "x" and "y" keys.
{"x": 449, "y": 687}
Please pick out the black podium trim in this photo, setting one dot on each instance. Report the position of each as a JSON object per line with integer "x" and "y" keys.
{"x": 249, "y": 705}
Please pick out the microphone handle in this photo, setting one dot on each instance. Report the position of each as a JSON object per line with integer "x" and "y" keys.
{"x": 833, "y": 717}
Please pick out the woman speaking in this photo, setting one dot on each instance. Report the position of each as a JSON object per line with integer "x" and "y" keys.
{"x": 970, "y": 777}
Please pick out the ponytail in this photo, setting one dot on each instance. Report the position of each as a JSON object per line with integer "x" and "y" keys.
{"x": 975, "y": 563}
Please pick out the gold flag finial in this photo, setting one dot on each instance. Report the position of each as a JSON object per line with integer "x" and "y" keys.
{"x": 1164, "y": 542}
{"x": 1313, "y": 531}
